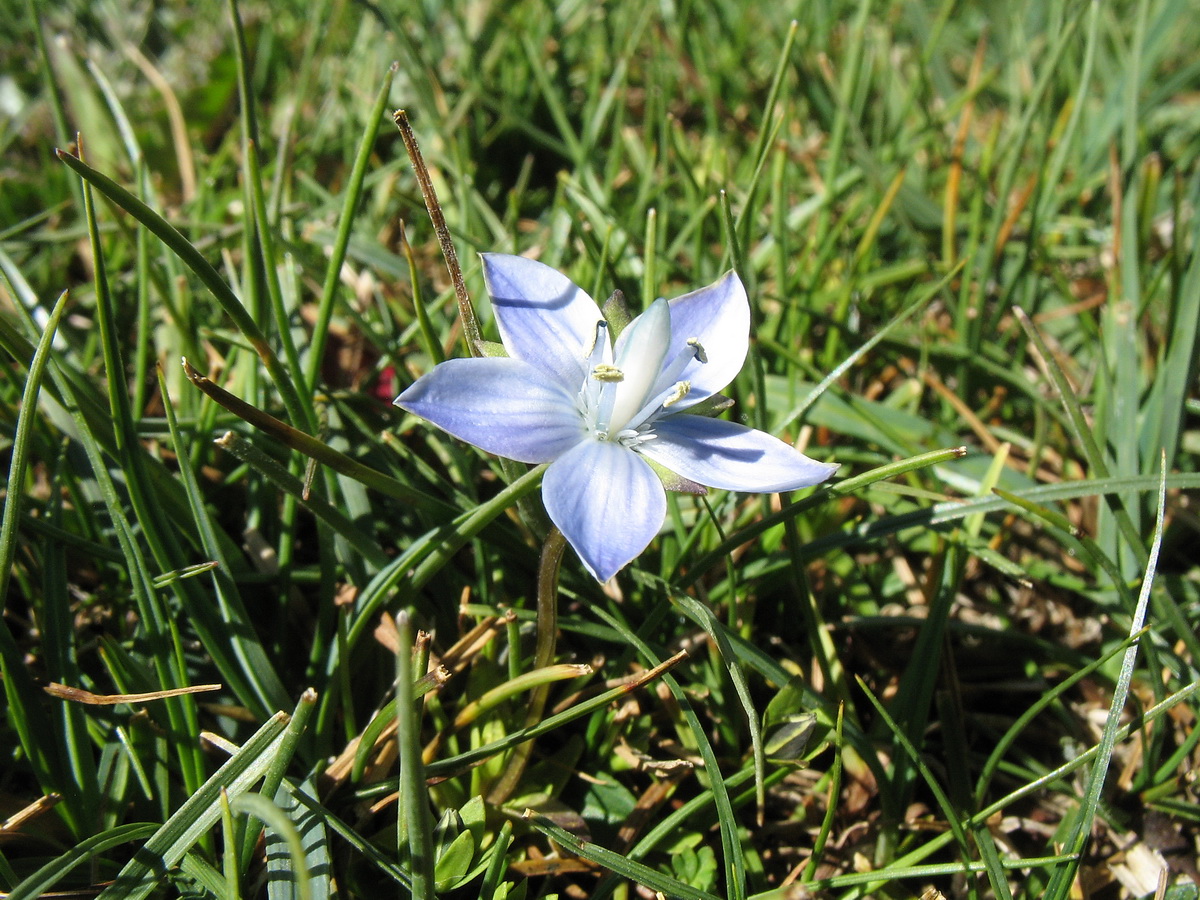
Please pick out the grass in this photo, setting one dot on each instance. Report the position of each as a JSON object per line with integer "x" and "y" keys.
{"x": 965, "y": 670}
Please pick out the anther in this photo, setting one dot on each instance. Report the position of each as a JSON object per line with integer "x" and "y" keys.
{"x": 608, "y": 374}
{"x": 681, "y": 390}
{"x": 601, "y": 328}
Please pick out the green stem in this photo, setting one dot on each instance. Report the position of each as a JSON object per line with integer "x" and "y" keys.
{"x": 414, "y": 832}
{"x": 543, "y": 656}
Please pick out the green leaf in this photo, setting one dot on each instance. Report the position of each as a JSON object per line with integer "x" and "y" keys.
{"x": 454, "y": 862}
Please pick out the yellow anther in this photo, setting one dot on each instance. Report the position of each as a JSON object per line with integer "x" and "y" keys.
{"x": 607, "y": 373}
{"x": 681, "y": 390}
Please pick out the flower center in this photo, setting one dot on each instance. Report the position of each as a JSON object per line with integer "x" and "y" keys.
{"x": 620, "y": 401}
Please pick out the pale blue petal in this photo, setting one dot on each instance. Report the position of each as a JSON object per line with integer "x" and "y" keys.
{"x": 733, "y": 457}
{"x": 718, "y": 316}
{"x": 606, "y": 501}
{"x": 504, "y": 406}
{"x": 542, "y": 316}
{"x": 639, "y": 355}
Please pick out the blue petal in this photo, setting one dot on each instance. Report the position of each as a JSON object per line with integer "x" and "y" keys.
{"x": 505, "y": 406}
{"x": 726, "y": 455}
{"x": 719, "y": 317}
{"x": 606, "y": 501}
{"x": 542, "y": 316}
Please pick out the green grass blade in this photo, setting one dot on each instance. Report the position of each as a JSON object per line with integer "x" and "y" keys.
{"x": 715, "y": 629}
{"x": 1064, "y": 874}
{"x": 316, "y": 848}
{"x": 734, "y": 861}
{"x": 365, "y": 545}
{"x": 261, "y": 688}
{"x": 616, "y": 862}
{"x": 282, "y": 827}
{"x": 40, "y": 882}
{"x": 1167, "y": 405}
{"x": 341, "y": 241}
{"x": 312, "y": 447}
{"x": 414, "y": 830}
{"x": 1084, "y": 436}
{"x": 199, "y": 812}
{"x": 25, "y": 713}
{"x": 843, "y": 488}
{"x": 202, "y": 269}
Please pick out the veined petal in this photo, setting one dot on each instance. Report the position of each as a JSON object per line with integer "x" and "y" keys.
{"x": 718, "y": 316}
{"x": 505, "y": 406}
{"x": 726, "y": 455}
{"x": 543, "y": 317}
{"x": 639, "y": 355}
{"x": 607, "y": 502}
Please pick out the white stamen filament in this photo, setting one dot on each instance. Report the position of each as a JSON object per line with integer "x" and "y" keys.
{"x": 620, "y": 400}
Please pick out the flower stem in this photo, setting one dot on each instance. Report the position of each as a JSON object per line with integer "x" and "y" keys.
{"x": 414, "y": 832}
{"x": 543, "y": 655}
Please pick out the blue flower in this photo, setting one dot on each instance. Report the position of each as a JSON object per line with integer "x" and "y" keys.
{"x": 612, "y": 420}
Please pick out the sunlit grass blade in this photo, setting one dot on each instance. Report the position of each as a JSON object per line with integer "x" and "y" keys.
{"x": 311, "y": 446}
{"x": 199, "y": 812}
{"x": 353, "y": 194}
{"x": 282, "y": 827}
{"x": 955, "y": 510}
{"x": 1166, "y": 406}
{"x": 273, "y": 778}
{"x": 202, "y": 269}
{"x": 1083, "y": 433}
{"x": 988, "y": 770}
{"x": 1064, "y": 874}
{"x": 704, "y": 617}
{"x": 316, "y": 857}
{"x": 846, "y": 487}
{"x": 734, "y": 859}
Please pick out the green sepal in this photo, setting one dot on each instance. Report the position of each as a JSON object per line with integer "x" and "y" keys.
{"x": 616, "y": 313}
{"x": 710, "y": 406}
{"x": 490, "y": 349}
{"x": 673, "y": 481}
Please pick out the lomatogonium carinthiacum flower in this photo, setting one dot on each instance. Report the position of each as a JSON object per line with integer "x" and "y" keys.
{"x": 600, "y": 413}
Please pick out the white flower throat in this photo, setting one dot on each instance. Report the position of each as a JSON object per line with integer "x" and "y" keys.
{"x": 620, "y": 401}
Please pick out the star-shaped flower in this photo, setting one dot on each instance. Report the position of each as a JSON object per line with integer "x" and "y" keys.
{"x": 601, "y": 414}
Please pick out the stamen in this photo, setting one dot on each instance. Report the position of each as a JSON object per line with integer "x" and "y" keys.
{"x": 608, "y": 374}
{"x": 692, "y": 350}
{"x": 589, "y": 392}
{"x": 681, "y": 390}
{"x": 597, "y": 344}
